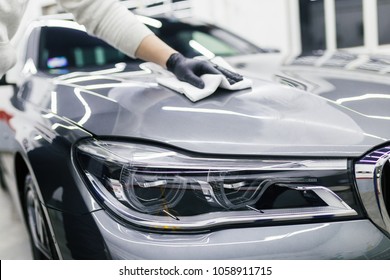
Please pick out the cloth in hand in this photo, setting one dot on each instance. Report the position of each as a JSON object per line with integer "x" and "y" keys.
{"x": 225, "y": 77}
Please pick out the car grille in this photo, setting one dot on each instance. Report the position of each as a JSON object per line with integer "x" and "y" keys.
{"x": 373, "y": 181}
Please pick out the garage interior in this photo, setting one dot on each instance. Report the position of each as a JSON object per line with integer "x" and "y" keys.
{"x": 298, "y": 26}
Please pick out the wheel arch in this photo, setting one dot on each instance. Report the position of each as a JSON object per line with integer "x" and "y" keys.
{"x": 22, "y": 170}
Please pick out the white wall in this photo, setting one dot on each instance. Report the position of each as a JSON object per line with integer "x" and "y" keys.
{"x": 267, "y": 23}
{"x": 33, "y": 11}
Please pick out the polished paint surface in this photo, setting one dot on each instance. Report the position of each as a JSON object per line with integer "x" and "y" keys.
{"x": 240, "y": 123}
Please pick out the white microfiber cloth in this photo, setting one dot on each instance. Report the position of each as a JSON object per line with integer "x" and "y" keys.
{"x": 212, "y": 82}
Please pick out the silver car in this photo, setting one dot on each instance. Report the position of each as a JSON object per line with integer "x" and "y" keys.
{"x": 108, "y": 164}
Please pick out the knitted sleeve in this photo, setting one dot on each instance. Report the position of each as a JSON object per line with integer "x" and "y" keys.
{"x": 110, "y": 21}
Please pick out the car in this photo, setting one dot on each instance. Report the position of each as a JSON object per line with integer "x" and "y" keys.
{"x": 105, "y": 163}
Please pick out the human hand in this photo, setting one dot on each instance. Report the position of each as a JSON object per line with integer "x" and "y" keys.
{"x": 189, "y": 70}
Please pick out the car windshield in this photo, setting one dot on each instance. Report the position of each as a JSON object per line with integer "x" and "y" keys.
{"x": 193, "y": 39}
{"x": 66, "y": 48}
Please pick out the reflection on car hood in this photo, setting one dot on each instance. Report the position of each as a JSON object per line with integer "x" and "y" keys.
{"x": 269, "y": 119}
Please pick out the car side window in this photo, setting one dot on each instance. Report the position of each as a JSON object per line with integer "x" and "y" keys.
{"x": 65, "y": 48}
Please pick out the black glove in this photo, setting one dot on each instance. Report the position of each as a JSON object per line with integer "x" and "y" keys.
{"x": 189, "y": 70}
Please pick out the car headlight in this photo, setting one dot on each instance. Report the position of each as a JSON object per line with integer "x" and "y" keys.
{"x": 158, "y": 188}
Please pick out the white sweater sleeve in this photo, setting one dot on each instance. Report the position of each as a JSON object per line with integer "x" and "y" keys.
{"x": 110, "y": 21}
{"x": 11, "y": 13}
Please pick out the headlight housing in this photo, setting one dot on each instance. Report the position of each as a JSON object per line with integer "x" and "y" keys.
{"x": 158, "y": 188}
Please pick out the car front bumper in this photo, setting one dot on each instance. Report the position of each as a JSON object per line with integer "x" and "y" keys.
{"x": 358, "y": 239}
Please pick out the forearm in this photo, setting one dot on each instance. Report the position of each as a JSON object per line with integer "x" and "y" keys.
{"x": 110, "y": 21}
{"x": 154, "y": 50}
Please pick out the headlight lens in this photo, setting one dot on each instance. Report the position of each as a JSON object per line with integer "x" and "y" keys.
{"x": 154, "y": 187}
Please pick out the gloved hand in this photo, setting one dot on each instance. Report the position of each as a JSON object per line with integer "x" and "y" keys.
{"x": 189, "y": 70}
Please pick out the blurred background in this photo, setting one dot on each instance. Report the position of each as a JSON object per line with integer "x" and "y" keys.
{"x": 291, "y": 26}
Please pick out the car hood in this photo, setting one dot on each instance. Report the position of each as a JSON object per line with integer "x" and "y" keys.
{"x": 268, "y": 119}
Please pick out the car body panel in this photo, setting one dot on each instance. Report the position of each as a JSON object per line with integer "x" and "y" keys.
{"x": 240, "y": 123}
{"x": 299, "y": 242}
{"x": 348, "y": 85}
{"x": 304, "y": 242}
